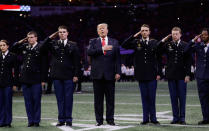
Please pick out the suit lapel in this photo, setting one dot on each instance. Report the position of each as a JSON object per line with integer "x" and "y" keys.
{"x": 99, "y": 43}
{"x": 35, "y": 47}
{"x": 207, "y": 51}
{"x": 149, "y": 43}
{"x": 68, "y": 44}
{"x": 6, "y": 56}
{"x": 59, "y": 43}
{"x": 110, "y": 41}
{"x": 142, "y": 43}
{"x": 180, "y": 46}
{"x": 1, "y": 56}
{"x": 202, "y": 47}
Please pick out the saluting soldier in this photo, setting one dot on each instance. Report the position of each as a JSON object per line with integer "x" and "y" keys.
{"x": 147, "y": 70}
{"x": 33, "y": 74}
{"x": 8, "y": 80}
{"x": 177, "y": 72}
{"x": 64, "y": 71}
{"x": 202, "y": 70}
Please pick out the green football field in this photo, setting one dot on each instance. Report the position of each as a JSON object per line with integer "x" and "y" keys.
{"x": 128, "y": 111}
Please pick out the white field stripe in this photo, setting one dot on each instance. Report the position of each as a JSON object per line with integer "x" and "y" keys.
{"x": 126, "y": 94}
{"x": 116, "y": 119}
{"x": 85, "y": 102}
{"x": 177, "y": 125}
{"x": 127, "y": 89}
{"x": 136, "y": 95}
{"x": 123, "y": 122}
{"x": 24, "y": 117}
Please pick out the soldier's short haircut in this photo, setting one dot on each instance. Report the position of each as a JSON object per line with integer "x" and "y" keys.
{"x": 205, "y": 29}
{"x": 32, "y": 33}
{"x": 146, "y": 25}
{"x": 176, "y": 29}
{"x": 63, "y": 27}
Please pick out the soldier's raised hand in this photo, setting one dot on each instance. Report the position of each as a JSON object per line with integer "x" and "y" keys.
{"x": 166, "y": 38}
{"x": 137, "y": 34}
{"x": 196, "y": 37}
{"x": 54, "y": 35}
{"x": 23, "y": 40}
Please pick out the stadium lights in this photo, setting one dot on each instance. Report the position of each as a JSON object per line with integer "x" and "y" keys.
{"x": 25, "y": 8}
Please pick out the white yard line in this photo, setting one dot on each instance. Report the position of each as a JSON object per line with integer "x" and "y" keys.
{"x": 132, "y": 95}
{"x": 85, "y": 102}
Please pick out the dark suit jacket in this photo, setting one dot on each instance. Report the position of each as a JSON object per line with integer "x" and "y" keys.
{"x": 146, "y": 58}
{"x": 34, "y": 67}
{"x": 104, "y": 66}
{"x": 178, "y": 62}
{"x": 64, "y": 60}
{"x": 202, "y": 59}
{"x": 7, "y": 78}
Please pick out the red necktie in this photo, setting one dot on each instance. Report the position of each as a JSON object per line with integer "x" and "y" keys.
{"x": 103, "y": 44}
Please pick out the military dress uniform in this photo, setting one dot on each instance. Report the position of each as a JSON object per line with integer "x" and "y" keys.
{"x": 33, "y": 71}
{"x": 202, "y": 75}
{"x": 178, "y": 67}
{"x": 65, "y": 62}
{"x": 8, "y": 78}
{"x": 146, "y": 68}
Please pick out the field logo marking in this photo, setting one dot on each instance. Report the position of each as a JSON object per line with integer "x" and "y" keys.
{"x": 162, "y": 116}
{"x": 86, "y": 127}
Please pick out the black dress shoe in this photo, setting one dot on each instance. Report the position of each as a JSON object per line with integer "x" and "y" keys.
{"x": 182, "y": 123}
{"x": 174, "y": 122}
{"x": 99, "y": 124}
{"x": 60, "y": 124}
{"x": 112, "y": 123}
{"x": 144, "y": 122}
{"x": 30, "y": 124}
{"x": 8, "y": 125}
{"x": 36, "y": 124}
{"x": 69, "y": 124}
{"x": 203, "y": 122}
{"x": 155, "y": 122}
{"x": 2, "y": 125}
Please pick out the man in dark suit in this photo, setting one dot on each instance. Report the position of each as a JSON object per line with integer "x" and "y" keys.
{"x": 147, "y": 70}
{"x": 64, "y": 71}
{"x": 105, "y": 69}
{"x": 33, "y": 75}
{"x": 202, "y": 70}
{"x": 178, "y": 70}
{"x": 8, "y": 80}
